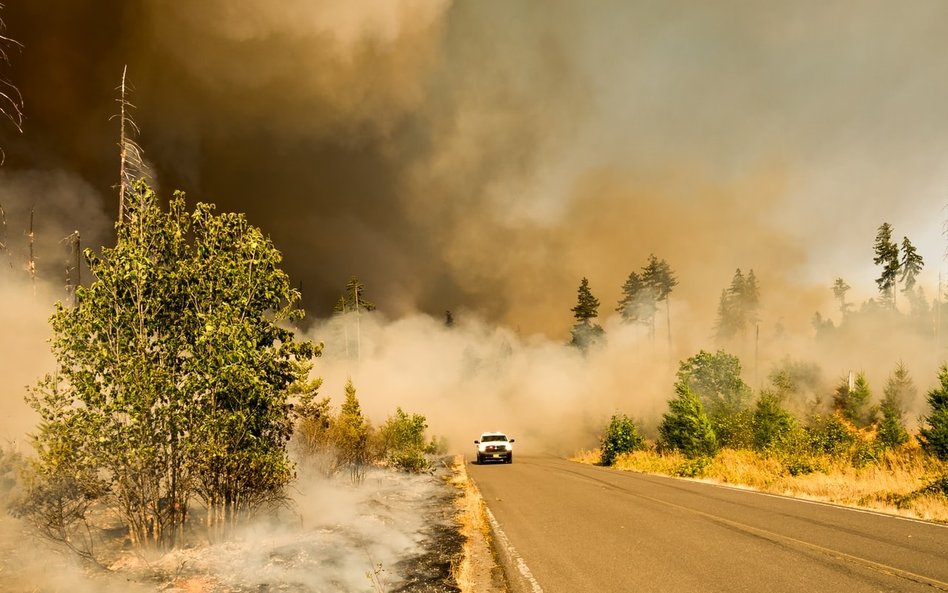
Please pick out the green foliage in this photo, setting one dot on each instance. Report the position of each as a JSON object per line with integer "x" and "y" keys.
{"x": 840, "y": 288}
{"x": 887, "y": 256}
{"x": 173, "y": 369}
{"x": 830, "y": 435}
{"x": 934, "y": 433}
{"x": 641, "y": 293}
{"x": 738, "y": 306}
{"x": 772, "y": 423}
{"x": 353, "y": 299}
{"x": 586, "y": 334}
{"x": 686, "y": 427}
{"x": 622, "y": 436}
{"x": 587, "y": 306}
{"x": 693, "y": 468}
{"x": 851, "y": 402}
{"x": 898, "y": 389}
{"x": 403, "y": 441}
{"x": 716, "y": 378}
{"x": 911, "y": 264}
{"x": 350, "y": 435}
{"x": 734, "y": 430}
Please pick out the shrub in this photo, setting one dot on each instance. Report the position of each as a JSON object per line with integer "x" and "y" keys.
{"x": 772, "y": 424}
{"x": 403, "y": 441}
{"x": 830, "y": 435}
{"x": 734, "y": 430}
{"x": 621, "y": 437}
{"x": 693, "y": 468}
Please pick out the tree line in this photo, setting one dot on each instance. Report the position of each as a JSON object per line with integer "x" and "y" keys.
{"x": 790, "y": 420}
{"x": 179, "y": 380}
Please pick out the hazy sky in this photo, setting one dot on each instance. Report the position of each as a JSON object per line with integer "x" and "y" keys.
{"x": 485, "y": 155}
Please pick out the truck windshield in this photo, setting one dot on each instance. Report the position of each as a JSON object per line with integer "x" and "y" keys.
{"x": 493, "y": 437}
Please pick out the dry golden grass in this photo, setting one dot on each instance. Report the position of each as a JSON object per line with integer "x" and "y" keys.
{"x": 469, "y": 572}
{"x": 895, "y": 483}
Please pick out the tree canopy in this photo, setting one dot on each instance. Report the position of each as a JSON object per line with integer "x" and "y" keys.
{"x": 173, "y": 372}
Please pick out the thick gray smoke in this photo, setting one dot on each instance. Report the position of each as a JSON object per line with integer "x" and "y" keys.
{"x": 486, "y": 155}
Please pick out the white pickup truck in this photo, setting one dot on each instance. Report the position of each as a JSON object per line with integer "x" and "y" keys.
{"x": 494, "y": 446}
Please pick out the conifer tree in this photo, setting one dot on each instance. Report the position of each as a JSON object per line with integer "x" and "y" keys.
{"x": 851, "y": 401}
{"x": 911, "y": 263}
{"x": 933, "y": 435}
{"x": 898, "y": 389}
{"x": 352, "y": 435}
{"x": 686, "y": 427}
{"x": 840, "y": 288}
{"x": 887, "y": 256}
{"x": 585, "y": 333}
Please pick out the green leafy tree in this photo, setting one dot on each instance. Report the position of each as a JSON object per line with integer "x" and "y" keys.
{"x": 403, "y": 441}
{"x": 716, "y": 379}
{"x": 585, "y": 333}
{"x": 851, "y": 399}
{"x": 173, "y": 372}
{"x": 686, "y": 427}
{"x": 898, "y": 389}
{"x": 887, "y": 257}
{"x": 621, "y": 436}
{"x": 933, "y": 434}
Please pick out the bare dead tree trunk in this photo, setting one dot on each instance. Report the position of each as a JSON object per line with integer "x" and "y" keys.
{"x": 11, "y": 101}
{"x": 31, "y": 265}
{"x": 131, "y": 162}
{"x": 73, "y": 273}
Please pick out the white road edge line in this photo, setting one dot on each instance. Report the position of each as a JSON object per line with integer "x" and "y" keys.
{"x": 512, "y": 552}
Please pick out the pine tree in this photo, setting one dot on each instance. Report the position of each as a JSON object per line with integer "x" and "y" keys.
{"x": 585, "y": 333}
{"x": 898, "y": 389}
{"x": 630, "y": 307}
{"x": 933, "y": 435}
{"x": 840, "y": 288}
{"x": 772, "y": 422}
{"x": 686, "y": 427}
{"x": 851, "y": 401}
{"x": 351, "y": 435}
{"x": 912, "y": 264}
{"x": 887, "y": 256}
{"x": 659, "y": 279}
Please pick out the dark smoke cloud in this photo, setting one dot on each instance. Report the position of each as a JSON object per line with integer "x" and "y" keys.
{"x": 486, "y": 155}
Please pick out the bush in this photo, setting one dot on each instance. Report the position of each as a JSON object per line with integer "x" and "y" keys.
{"x": 830, "y": 435}
{"x": 621, "y": 437}
{"x": 693, "y": 468}
{"x": 734, "y": 430}
{"x": 403, "y": 441}
{"x": 772, "y": 425}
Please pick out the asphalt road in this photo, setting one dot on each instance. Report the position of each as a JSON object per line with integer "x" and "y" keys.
{"x": 568, "y": 527}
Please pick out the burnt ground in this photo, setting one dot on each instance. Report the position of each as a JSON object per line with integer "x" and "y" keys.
{"x": 393, "y": 533}
{"x": 432, "y": 570}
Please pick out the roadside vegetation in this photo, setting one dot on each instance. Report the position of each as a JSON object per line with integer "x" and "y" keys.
{"x": 848, "y": 451}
